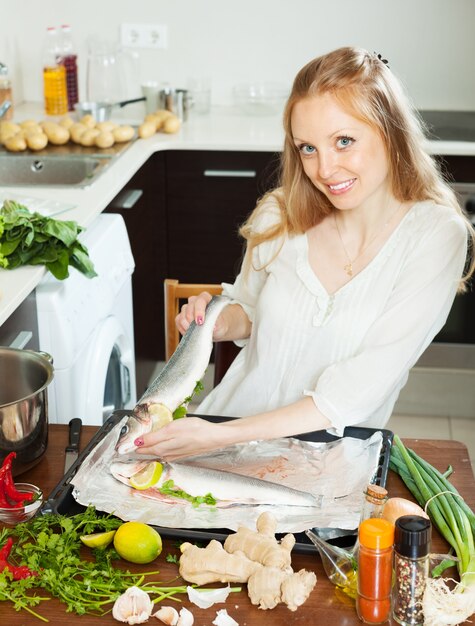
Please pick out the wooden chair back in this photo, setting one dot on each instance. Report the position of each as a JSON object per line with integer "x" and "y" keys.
{"x": 175, "y": 292}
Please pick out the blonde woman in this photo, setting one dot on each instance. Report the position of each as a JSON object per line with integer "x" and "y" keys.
{"x": 351, "y": 268}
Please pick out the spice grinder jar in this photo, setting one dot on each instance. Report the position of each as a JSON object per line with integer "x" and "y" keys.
{"x": 25, "y": 376}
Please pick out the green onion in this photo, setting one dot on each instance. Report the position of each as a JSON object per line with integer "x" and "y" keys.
{"x": 455, "y": 521}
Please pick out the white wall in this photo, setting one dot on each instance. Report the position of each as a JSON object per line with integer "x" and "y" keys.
{"x": 430, "y": 43}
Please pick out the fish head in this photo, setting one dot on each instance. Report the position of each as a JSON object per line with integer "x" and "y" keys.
{"x": 138, "y": 423}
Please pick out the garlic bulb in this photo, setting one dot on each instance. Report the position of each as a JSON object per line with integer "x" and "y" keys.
{"x": 133, "y": 607}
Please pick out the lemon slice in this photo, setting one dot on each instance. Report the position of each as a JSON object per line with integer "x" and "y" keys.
{"x": 147, "y": 477}
{"x": 160, "y": 415}
{"x": 98, "y": 540}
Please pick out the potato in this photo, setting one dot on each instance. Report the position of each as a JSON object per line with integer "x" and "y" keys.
{"x": 8, "y": 129}
{"x": 104, "y": 139}
{"x": 66, "y": 122}
{"x": 36, "y": 141}
{"x": 88, "y": 120}
{"x": 171, "y": 125}
{"x": 32, "y": 128}
{"x": 106, "y": 126}
{"x": 16, "y": 143}
{"x": 76, "y": 131}
{"x": 147, "y": 129}
{"x": 57, "y": 135}
{"x": 123, "y": 133}
{"x": 89, "y": 137}
{"x": 163, "y": 114}
{"x": 27, "y": 124}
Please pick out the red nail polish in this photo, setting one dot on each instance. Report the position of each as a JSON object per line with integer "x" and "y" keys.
{"x": 199, "y": 320}
{"x": 138, "y": 442}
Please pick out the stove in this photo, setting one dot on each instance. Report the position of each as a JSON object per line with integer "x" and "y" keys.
{"x": 449, "y": 125}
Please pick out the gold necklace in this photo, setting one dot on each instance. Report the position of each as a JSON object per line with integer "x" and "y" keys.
{"x": 348, "y": 267}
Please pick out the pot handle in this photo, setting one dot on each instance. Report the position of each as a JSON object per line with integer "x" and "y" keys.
{"x": 21, "y": 339}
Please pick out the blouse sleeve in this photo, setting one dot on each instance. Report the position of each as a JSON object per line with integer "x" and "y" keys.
{"x": 350, "y": 391}
{"x": 248, "y": 285}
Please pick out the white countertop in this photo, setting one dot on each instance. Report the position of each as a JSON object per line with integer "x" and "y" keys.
{"x": 223, "y": 129}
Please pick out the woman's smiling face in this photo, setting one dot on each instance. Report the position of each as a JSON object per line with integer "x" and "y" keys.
{"x": 342, "y": 156}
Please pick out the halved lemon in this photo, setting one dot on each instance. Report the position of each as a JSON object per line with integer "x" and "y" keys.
{"x": 98, "y": 540}
{"x": 147, "y": 477}
{"x": 160, "y": 414}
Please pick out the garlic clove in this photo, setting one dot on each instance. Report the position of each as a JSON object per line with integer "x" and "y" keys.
{"x": 186, "y": 618}
{"x": 168, "y": 615}
{"x": 224, "y": 619}
{"x": 205, "y": 599}
{"x": 132, "y": 607}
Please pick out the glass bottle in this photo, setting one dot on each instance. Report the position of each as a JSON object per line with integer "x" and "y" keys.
{"x": 6, "y": 91}
{"x": 68, "y": 58}
{"x": 54, "y": 76}
{"x": 375, "y": 499}
{"x": 412, "y": 538}
{"x": 373, "y": 601}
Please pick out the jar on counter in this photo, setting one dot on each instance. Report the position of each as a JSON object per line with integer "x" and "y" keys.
{"x": 375, "y": 567}
{"x": 6, "y": 91}
{"x": 412, "y": 538}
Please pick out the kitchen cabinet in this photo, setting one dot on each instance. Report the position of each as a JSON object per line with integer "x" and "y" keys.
{"x": 209, "y": 195}
{"x": 142, "y": 205}
{"x": 184, "y": 225}
{"x": 21, "y": 329}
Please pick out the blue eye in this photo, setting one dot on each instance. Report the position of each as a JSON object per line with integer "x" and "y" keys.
{"x": 306, "y": 149}
{"x": 344, "y": 142}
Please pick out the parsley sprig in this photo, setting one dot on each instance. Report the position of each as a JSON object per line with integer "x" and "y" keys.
{"x": 181, "y": 410}
{"x": 50, "y": 544}
{"x": 168, "y": 489}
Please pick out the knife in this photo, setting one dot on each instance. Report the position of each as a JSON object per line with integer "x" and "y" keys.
{"x": 72, "y": 450}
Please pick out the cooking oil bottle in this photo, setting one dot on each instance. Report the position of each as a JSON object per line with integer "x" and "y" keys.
{"x": 54, "y": 76}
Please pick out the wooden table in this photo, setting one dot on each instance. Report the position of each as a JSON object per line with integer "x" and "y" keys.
{"x": 323, "y": 607}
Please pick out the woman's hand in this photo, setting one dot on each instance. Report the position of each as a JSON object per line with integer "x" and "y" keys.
{"x": 184, "y": 437}
{"x": 194, "y": 310}
{"x": 231, "y": 324}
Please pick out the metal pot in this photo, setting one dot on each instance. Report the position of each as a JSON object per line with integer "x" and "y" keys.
{"x": 25, "y": 375}
{"x": 101, "y": 111}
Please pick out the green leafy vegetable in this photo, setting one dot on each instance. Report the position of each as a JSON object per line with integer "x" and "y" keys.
{"x": 181, "y": 410}
{"x": 33, "y": 239}
{"x": 168, "y": 489}
{"x": 51, "y": 545}
{"x": 171, "y": 558}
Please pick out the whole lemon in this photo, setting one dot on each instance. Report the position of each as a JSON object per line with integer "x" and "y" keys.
{"x": 137, "y": 542}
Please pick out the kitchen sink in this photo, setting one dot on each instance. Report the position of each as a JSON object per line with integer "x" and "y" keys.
{"x": 61, "y": 170}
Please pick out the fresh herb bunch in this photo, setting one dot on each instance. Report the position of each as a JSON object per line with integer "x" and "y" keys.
{"x": 32, "y": 239}
{"x": 50, "y": 545}
{"x": 181, "y": 410}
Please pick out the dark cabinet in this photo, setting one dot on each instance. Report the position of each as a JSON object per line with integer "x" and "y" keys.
{"x": 209, "y": 195}
{"x": 184, "y": 225}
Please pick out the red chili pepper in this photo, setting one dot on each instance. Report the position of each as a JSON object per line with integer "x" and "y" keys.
{"x": 7, "y": 485}
{"x": 19, "y": 572}
{"x": 6, "y": 549}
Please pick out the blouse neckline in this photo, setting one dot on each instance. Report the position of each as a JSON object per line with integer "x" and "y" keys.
{"x": 313, "y": 283}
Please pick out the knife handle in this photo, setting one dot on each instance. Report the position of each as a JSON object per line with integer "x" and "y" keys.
{"x": 74, "y": 434}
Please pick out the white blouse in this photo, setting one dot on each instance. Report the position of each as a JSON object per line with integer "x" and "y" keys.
{"x": 351, "y": 350}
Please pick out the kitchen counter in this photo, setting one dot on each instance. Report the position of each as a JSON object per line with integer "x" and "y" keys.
{"x": 224, "y": 129}
{"x": 324, "y": 606}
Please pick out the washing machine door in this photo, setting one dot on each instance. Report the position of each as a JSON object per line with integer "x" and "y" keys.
{"x": 109, "y": 383}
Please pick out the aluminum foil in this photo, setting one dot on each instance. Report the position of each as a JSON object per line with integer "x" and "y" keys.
{"x": 337, "y": 471}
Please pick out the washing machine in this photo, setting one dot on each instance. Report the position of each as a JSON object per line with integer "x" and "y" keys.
{"x": 86, "y": 325}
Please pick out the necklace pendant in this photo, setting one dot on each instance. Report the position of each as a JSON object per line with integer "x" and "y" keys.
{"x": 348, "y": 269}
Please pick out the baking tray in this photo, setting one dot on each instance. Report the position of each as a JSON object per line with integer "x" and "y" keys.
{"x": 62, "y": 502}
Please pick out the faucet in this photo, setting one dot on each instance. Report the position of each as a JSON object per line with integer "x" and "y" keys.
{"x": 6, "y": 104}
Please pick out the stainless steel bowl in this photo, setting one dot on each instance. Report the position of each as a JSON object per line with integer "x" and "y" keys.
{"x": 25, "y": 376}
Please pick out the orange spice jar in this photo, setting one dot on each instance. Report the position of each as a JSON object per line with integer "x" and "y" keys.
{"x": 375, "y": 566}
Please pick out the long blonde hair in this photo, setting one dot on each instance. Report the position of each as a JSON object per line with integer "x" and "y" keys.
{"x": 368, "y": 89}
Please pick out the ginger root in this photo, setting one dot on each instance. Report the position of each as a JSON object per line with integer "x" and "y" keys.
{"x": 255, "y": 557}
{"x": 213, "y": 564}
{"x": 262, "y": 546}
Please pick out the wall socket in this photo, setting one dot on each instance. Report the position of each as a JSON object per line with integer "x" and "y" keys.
{"x": 143, "y": 35}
